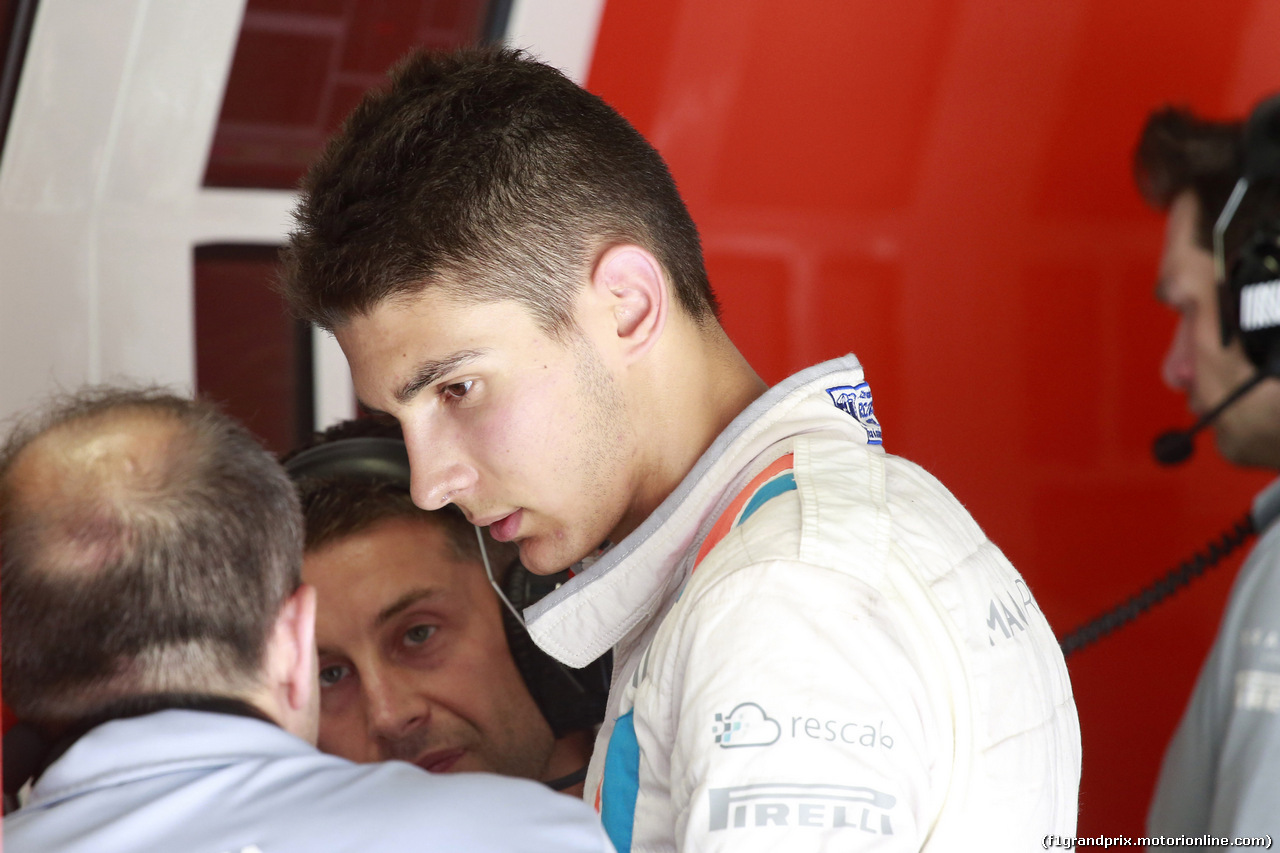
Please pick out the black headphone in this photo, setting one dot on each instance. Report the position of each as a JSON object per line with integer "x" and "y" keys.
{"x": 569, "y": 700}
{"x": 1249, "y": 294}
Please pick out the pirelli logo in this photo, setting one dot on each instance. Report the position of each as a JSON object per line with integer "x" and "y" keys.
{"x": 793, "y": 805}
{"x": 1260, "y": 305}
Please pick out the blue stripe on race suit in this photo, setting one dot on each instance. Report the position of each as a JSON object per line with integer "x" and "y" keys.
{"x": 770, "y": 490}
{"x": 621, "y": 783}
{"x": 778, "y": 486}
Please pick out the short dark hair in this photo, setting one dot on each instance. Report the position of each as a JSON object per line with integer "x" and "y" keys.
{"x": 163, "y": 571}
{"x": 1179, "y": 152}
{"x": 492, "y": 175}
{"x": 335, "y": 507}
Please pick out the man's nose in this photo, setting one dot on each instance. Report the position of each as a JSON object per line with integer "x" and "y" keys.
{"x": 1178, "y": 369}
{"x": 438, "y": 470}
{"x": 394, "y": 708}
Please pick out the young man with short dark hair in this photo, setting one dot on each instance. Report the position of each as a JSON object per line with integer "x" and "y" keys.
{"x": 815, "y": 646}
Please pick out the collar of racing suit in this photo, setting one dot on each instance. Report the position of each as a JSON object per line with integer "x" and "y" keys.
{"x": 604, "y": 602}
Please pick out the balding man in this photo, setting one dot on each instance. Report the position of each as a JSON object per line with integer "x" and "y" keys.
{"x": 155, "y": 623}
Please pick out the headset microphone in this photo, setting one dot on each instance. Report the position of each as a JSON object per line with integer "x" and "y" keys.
{"x": 1176, "y": 446}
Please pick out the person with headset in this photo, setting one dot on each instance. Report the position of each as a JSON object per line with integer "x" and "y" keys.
{"x": 420, "y": 658}
{"x": 157, "y": 631}
{"x": 1219, "y": 184}
{"x": 815, "y": 646}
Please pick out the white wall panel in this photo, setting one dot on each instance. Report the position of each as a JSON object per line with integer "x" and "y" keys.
{"x": 559, "y": 32}
{"x": 100, "y": 197}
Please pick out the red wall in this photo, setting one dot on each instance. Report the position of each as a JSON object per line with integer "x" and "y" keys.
{"x": 942, "y": 187}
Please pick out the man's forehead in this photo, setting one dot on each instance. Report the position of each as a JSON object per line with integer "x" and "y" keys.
{"x": 1183, "y": 262}
{"x": 392, "y": 556}
{"x": 442, "y": 296}
{"x": 398, "y": 332}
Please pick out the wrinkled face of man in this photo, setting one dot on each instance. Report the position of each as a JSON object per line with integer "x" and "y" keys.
{"x": 527, "y": 434}
{"x": 1197, "y": 364}
{"x": 414, "y": 662}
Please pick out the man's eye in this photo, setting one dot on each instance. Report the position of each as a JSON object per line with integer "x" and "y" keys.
{"x": 331, "y": 675}
{"x": 457, "y": 390}
{"x": 418, "y": 634}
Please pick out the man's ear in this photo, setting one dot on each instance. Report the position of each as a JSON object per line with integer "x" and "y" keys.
{"x": 631, "y": 283}
{"x": 292, "y": 654}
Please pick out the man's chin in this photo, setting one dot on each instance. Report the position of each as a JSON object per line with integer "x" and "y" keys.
{"x": 1246, "y": 454}
{"x": 536, "y": 559}
{"x": 473, "y": 763}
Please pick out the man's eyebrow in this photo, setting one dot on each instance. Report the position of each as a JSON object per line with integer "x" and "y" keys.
{"x": 388, "y": 613}
{"x": 402, "y": 604}
{"x": 430, "y": 371}
{"x": 378, "y": 413}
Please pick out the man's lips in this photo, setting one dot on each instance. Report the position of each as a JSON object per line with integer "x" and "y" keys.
{"x": 506, "y": 528}
{"x": 440, "y": 761}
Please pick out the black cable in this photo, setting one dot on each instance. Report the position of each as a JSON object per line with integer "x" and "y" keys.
{"x": 1187, "y": 571}
{"x": 17, "y": 30}
{"x": 568, "y": 780}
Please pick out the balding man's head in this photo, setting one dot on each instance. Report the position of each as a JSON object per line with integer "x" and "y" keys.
{"x": 148, "y": 543}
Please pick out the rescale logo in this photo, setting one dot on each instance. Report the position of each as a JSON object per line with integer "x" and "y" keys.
{"x": 746, "y": 725}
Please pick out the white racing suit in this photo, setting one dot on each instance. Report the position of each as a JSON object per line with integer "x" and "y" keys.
{"x": 816, "y": 648}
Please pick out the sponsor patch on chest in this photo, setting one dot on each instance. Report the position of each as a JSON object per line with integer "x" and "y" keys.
{"x": 856, "y": 401}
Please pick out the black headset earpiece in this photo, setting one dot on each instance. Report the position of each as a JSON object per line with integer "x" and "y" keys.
{"x": 1262, "y": 141}
{"x": 1252, "y": 298}
{"x": 569, "y": 699}
{"x": 1249, "y": 293}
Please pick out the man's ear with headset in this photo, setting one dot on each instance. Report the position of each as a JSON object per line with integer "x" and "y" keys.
{"x": 1249, "y": 276}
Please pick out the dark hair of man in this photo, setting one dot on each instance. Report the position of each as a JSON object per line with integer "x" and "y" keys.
{"x": 1179, "y": 152}
{"x": 156, "y": 576}
{"x": 337, "y": 507}
{"x": 493, "y": 176}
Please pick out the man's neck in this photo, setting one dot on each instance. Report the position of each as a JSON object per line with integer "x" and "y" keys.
{"x": 50, "y": 740}
{"x": 696, "y": 385}
{"x": 569, "y": 755}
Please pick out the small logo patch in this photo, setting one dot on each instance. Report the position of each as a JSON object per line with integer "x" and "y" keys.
{"x": 1260, "y": 305}
{"x": 856, "y": 400}
{"x": 746, "y": 725}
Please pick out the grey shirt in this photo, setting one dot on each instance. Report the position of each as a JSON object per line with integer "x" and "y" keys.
{"x": 1221, "y": 771}
{"x": 199, "y": 782}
